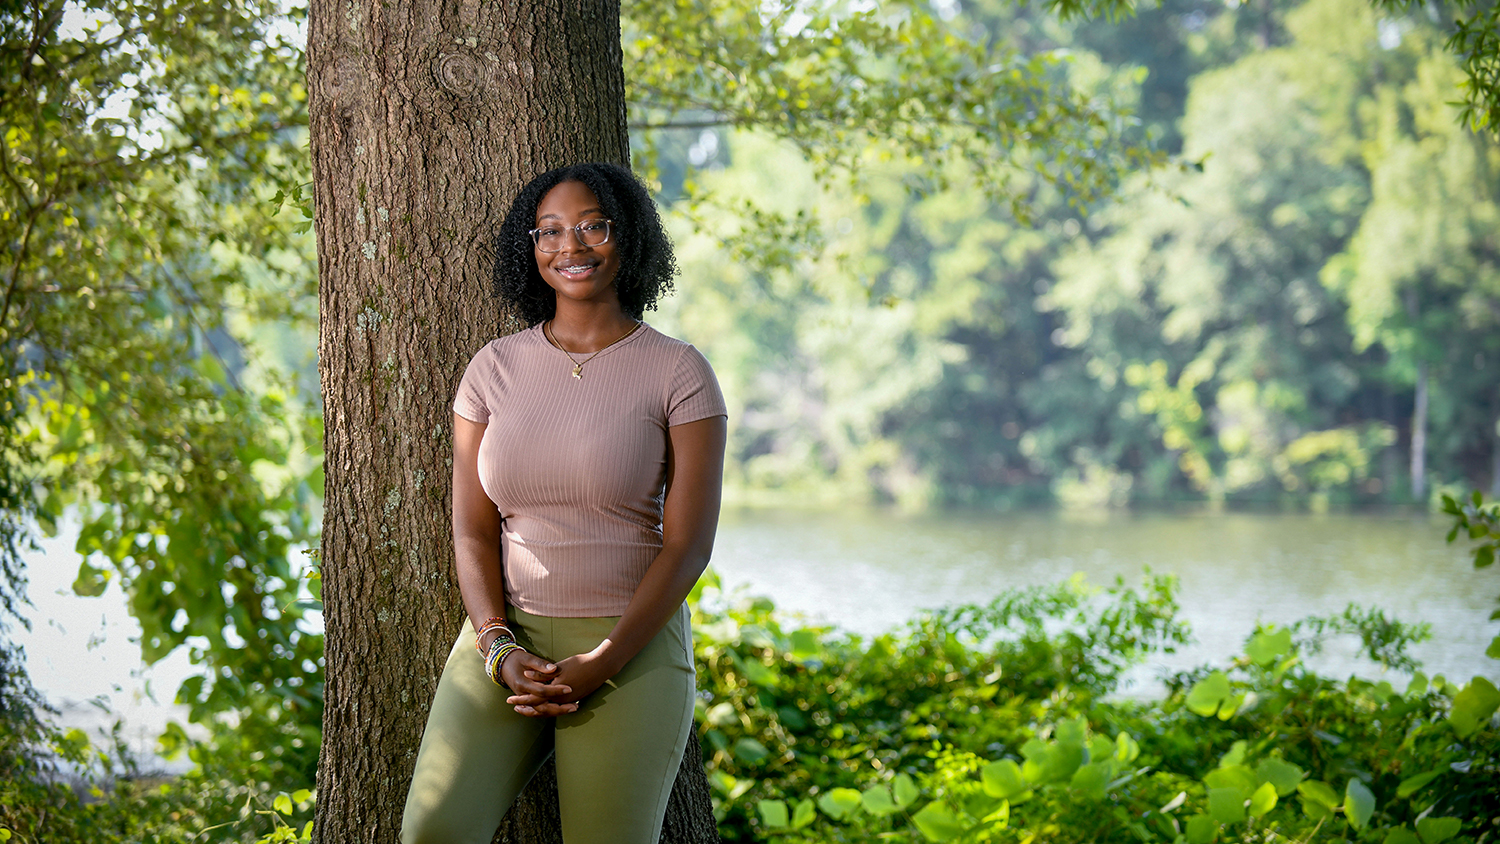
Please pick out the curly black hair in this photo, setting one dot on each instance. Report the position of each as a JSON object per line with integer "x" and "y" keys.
{"x": 647, "y": 264}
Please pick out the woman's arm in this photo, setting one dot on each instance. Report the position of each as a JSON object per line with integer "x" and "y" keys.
{"x": 695, "y": 478}
{"x": 476, "y": 557}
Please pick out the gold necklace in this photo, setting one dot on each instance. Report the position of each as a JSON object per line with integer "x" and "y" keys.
{"x": 578, "y": 364}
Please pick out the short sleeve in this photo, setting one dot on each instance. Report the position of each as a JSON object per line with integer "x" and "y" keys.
{"x": 694, "y": 392}
{"x": 470, "y": 403}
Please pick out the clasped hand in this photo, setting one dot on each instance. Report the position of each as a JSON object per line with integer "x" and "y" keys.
{"x": 545, "y": 689}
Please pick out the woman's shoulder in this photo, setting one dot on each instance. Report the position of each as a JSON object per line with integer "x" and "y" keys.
{"x": 652, "y": 338}
{"x": 518, "y": 342}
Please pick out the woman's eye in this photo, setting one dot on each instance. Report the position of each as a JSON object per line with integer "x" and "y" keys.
{"x": 593, "y": 226}
{"x": 548, "y": 232}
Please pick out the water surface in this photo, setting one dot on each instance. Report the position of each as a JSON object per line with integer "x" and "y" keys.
{"x": 868, "y": 570}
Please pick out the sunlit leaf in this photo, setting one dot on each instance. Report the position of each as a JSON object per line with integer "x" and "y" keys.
{"x": 1436, "y": 830}
{"x": 1208, "y": 694}
{"x": 1319, "y": 792}
{"x": 906, "y": 790}
{"x": 1359, "y": 803}
{"x": 1266, "y": 646}
{"x": 1411, "y": 785}
{"x": 1091, "y": 779}
{"x": 1280, "y": 773}
{"x": 1263, "y": 800}
{"x": 1226, "y": 805}
{"x": 839, "y": 802}
{"x": 804, "y": 814}
{"x": 938, "y": 823}
{"x": 773, "y": 813}
{"x": 877, "y": 800}
{"x": 1473, "y": 706}
{"x": 1201, "y": 829}
{"x": 1003, "y": 779}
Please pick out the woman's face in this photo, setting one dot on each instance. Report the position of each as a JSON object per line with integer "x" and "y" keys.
{"x": 576, "y": 271}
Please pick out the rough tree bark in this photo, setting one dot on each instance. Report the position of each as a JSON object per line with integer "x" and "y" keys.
{"x": 426, "y": 118}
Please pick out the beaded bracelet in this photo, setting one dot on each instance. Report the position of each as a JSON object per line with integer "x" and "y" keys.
{"x": 499, "y": 650}
{"x": 489, "y": 626}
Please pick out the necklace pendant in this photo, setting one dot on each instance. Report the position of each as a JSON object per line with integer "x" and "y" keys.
{"x": 578, "y": 372}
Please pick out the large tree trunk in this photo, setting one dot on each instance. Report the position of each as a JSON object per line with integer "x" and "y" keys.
{"x": 426, "y": 117}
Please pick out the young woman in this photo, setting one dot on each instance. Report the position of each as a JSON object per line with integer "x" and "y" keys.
{"x": 588, "y": 456}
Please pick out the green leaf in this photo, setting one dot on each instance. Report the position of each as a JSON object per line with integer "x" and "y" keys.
{"x": 773, "y": 813}
{"x": 1126, "y": 748}
{"x": 1236, "y": 754}
{"x": 1201, "y": 829}
{"x": 877, "y": 800}
{"x": 1280, "y": 773}
{"x": 723, "y": 714}
{"x": 1207, "y": 694}
{"x": 1050, "y": 761}
{"x": 839, "y": 802}
{"x": 1411, "y": 785}
{"x": 1091, "y": 779}
{"x": 1233, "y": 776}
{"x": 1436, "y": 830}
{"x": 1473, "y": 706}
{"x": 282, "y": 803}
{"x": 1003, "y": 779}
{"x": 804, "y": 814}
{"x": 1226, "y": 805}
{"x": 1263, "y": 800}
{"x": 1319, "y": 792}
{"x": 1359, "y": 803}
{"x": 938, "y": 823}
{"x": 1401, "y": 835}
{"x": 1418, "y": 685}
{"x": 906, "y": 790}
{"x": 301, "y": 796}
{"x": 91, "y": 581}
{"x": 1315, "y": 809}
{"x": 1269, "y": 644}
{"x": 749, "y": 750}
{"x": 804, "y": 643}
{"x": 1493, "y": 651}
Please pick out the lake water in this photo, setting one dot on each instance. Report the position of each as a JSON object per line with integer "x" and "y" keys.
{"x": 867, "y": 571}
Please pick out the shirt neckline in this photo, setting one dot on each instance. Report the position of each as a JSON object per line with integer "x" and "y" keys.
{"x": 538, "y": 336}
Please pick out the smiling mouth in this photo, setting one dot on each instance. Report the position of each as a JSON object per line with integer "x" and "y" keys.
{"x": 578, "y": 269}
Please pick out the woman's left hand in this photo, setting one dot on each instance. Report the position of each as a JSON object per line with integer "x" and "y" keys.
{"x": 583, "y": 674}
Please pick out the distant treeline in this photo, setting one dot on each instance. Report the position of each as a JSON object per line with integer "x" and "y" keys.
{"x": 1304, "y": 309}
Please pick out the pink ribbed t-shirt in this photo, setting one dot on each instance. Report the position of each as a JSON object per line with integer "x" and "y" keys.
{"x": 577, "y": 466}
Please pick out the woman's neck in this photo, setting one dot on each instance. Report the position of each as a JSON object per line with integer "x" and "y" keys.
{"x": 584, "y": 328}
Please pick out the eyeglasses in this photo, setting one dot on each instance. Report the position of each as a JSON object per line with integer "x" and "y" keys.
{"x": 590, "y": 233}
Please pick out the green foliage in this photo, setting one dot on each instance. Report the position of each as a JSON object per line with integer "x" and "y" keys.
{"x": 896, "y": 80}
{"x": 140, "y": 257}
{"x": 1480, "y": 523}
{"x": 1253, "y": 328}
{"x": 1039, "y": 750}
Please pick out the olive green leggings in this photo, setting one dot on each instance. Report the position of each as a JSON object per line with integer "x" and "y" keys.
{"x": 617, "y": 756}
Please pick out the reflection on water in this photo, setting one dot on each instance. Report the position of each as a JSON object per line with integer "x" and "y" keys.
{"x": 867, "y": 571}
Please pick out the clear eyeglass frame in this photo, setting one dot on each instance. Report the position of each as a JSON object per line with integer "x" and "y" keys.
{"x": 589, "y": 232}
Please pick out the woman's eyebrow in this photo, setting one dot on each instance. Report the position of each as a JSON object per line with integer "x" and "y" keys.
{"x": 595, "y": 210}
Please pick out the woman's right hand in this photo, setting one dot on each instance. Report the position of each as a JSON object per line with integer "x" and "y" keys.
{"x": 528, "y": 676}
